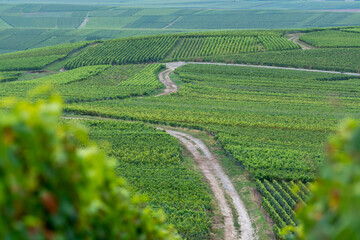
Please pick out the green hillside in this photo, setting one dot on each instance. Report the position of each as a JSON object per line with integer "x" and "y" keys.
{"x": 51, "y": 24}
{"x": 267, "y": 125}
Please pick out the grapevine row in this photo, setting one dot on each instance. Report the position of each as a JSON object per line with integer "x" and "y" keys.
{"x": 151, "y": 161}
{"x": 279, "y": 201}
{"x": 272, "y": 43}
{"x": 91, "y": 83}
{"x": 125, "y": 51}
{"x": 195, "y": 47}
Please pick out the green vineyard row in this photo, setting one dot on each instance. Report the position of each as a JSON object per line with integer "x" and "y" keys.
{"x": 280, "y": 199}
{"x": 151, "y": 161}
{"x": 86, "y": 84}
{"x": 37, "y": 58}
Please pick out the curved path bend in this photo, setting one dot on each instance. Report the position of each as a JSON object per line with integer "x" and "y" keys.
{"x": 296, "y": 39}
{"x": 274, "y": 67}
{"x": 170, "y": 86}
{"x": 220, "y": 183}
{"x": 164, "y": 77}
{"x": 221, "y": 186}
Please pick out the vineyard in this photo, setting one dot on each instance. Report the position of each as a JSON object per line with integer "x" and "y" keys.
{"x": 36, "y": 58}
{"x": 280, "y": 198}
{"x": 148, "y": 49}
{"x": 195, "y": 47}
{"x": 20, "y": 88}
{"x": 332, "y": 38}
{"x": 28, "y": 26}
{"x": 141, "y": 50}
{"x": 337, "y": 59}
{"x": 209, "y": 46}
{"x": 272, "y": 123}
{"x": 152, "y": 163}
{"x": 9, "y": 76}
{"x": 357, "y": 30}
{"x": 92, "y": 83}
{"x": 185, "y": 46}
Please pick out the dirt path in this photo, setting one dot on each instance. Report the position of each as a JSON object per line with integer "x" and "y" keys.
{"x": 272, "y": 67}
{"x": 295, "y": 38}
{"x": 220, "y": 185}
{"x": 172, "y": 23}
{"x": 216, "y": 177}
{"x": 170, "y": 86}
{"x": 164, "y": 77}
{"x": 83, "y": 24}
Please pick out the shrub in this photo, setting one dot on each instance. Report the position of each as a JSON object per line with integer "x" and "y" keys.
{"x": 333, "y": 208}
{"x": 50, "y": 188}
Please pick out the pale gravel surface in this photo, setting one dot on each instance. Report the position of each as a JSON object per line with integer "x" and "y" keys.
{"x": 83, "y": 24}
{"x": 216, "y": 177}
{"x": 164, "y": 77}
{"x": 296, "y": 39}
{"x": 209, "y": 165}
{"x": 170, "y": 86}
{"x": 272, "y": 67}
{"x": 172, "y": 23}
{"x": 218, "y": 182}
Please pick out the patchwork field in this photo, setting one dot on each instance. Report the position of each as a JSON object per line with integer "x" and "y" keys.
{"x": 221, "y": 4}
{"x": 29, "y": 26}
{"x": 184, "y": 196}
{"x": 270, "y": 123}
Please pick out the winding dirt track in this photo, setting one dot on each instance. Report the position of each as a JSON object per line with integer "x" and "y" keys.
{"x": 272, "y": 67}
{"x": 164, "y": 77}
{"x": 171, "y": 87}
{"x": 216, "y": 177}
{"x": 85, "y": 21}
{"x": 220, "y": 185}
{"x": 296, "y": 39}
{"x": 218, "y": 180}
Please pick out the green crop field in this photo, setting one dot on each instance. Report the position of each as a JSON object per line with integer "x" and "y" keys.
{"x": 52, "y": 24}
{"x": 339, "y": 59}
{"x": 280, "y": 199}
{"x": 221, "y": 4}
{"x": 271, "y": 123}
{"x": 357, "y": 30}
{"x": 332, "y": 39}
{"x": 241, "y": 105}
{"x": 15, "y": 39}
{"x": 9, "y": 76}
{"x": 184, "y": 196}
{"x": 36, "y": 58}
{"x": 141, "y": 50}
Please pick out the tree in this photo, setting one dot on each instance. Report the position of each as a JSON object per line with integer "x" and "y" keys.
{"x": 51, "y": 188}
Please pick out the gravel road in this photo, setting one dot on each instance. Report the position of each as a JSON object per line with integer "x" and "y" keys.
{"x": 221, "y": 186}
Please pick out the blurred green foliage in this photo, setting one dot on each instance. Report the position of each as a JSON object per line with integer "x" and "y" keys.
{"x": 50, "y": 188}
{"x": 332, "y": 211}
